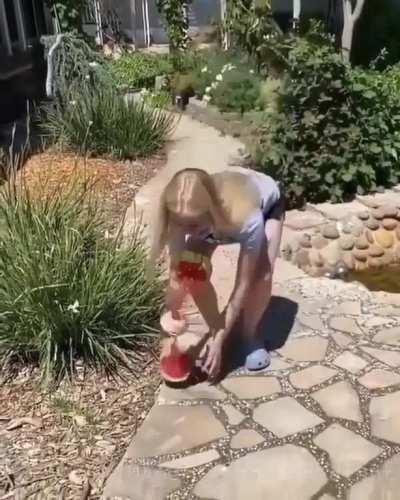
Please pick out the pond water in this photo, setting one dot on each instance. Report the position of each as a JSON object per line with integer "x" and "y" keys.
{"x": 385, "y": 280}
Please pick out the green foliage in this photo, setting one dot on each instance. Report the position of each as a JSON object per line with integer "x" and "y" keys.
{"x": 67, "y": 14}
{"x": 250, "y": 26}
{"x": 138, "y": 70}
{"x": 377, "y": 29}
{"x": 174, "y": 15}
{"x": 237, "y": 90}
{"x": 336, "y": 131}
{"x": 103, "y": 122}
{"x": 66, "y": 292}
{"x": 75, "y": 65}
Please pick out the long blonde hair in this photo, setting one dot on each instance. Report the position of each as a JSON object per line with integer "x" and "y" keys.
{"x": 228, "y": 197}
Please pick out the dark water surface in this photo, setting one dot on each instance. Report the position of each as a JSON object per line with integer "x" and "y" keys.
{"x": 385, "y": 280}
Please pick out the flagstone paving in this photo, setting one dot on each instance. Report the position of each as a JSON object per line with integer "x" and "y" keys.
{"x": 322, "y": 423}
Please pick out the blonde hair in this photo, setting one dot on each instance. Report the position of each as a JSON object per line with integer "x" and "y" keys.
{"x": 228, "y": 197}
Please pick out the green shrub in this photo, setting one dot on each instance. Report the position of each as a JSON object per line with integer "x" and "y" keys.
{"x": 138, "y": 70}
{"x": 235, "y": 90}
{"x": 336, "y": 131}
{"x": 103, "y": 122}
{"x": 66, "y": 292}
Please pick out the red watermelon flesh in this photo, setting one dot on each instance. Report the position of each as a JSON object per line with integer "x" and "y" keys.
{"x": 175, "y": 367}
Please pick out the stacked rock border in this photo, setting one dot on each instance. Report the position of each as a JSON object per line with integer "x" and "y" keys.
{"x": 366, "y": 240}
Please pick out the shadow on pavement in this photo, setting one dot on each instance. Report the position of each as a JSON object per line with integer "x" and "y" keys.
{"x": 278, "y": 322}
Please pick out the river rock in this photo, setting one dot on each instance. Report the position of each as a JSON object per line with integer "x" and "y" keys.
{"x": 375, "y": 262}
{"x": 389, "y": 211}
{"x": 302, "y": 258}
{"x": 378, "y": 213}
{"x": 316, "y": 258}
{"x": 352, "y": 225}
{"x": 369, "y": 236}
{"x": 398, "y": 232}
{"x": 305, "y": 241}
{"x": 318, "y": 241}
{"x": 346, "y": 242}
{"x": 360, "y": 266}
{"x": 389, "y": 224}
{"x": 331, "y": 254}
{"x": 348, "y": 259}
{"x": 360, "y": 255}
{"x": 363, "y": 215}
{"x": 330, "y": 231}
{"x": 372, "y": 224}
{"x": 362, "y": 243}
{"x": 376, "y": 251}
{"x": 384, "y": 238}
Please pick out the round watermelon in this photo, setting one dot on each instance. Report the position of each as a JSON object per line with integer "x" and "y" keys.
{"x": 176, "y": 367}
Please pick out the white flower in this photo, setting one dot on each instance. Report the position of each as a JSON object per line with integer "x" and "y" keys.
{"x": 252, "y": 71}
{"x": 207, "y": 98}
{"x": 87, "y": 77}
{"x": 204, "y": 70}
{"x": 93, "y": 64}
{"x": 74, "y": 308}
{"x": 208, "y": 90}
{"x": 219, "y": 78}
{"x": 214, "y": 85}
{"x": 90, "y": 123}
{"x": 73, "y": 103}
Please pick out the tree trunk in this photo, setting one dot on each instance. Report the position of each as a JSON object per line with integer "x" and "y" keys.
{"x": 350, "y": 18}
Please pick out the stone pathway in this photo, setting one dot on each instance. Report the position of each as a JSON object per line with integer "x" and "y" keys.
{"x": 323, "y": 422}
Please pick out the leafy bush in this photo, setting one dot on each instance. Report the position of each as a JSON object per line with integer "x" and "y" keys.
{"x": 336, "y": 131}
{"x": 75, "y": 65}
{"x": 235, "y": 90}
{"x": 138, "y": 70}
{"x": 103, "y": 122}
{"x": 66, "y": 292}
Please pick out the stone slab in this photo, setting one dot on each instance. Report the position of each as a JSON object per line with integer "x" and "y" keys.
{"x": 305, "y": 349}
{"x": 169, "y": 429}
{"x": 314, "y": 322}
{"x": 339, "y": 401}
{"x": 265, "y": 474}
{"x": 138, "y": 483}
{"x": 385, "y": 413}
{"x": 390, "y": 336}
{"x": 341, "y": 339}
{"x": 347, "y": 450}
{"x": 169, "y": 395}
{"x": 234, "y": 416}
{"x": 346, "y": 325}
{"x": 299, "y": 220}
{"x": 379, "y": 199}
{"x": 384, "y": 485}
{"x": 390, "y": 358}
{"x": 350, "y": 362}
{"x": 252, "y": 387}
{"x": 379, "y": 379}
{"x": 285, "y": 416}
{"x": 337, "y": 211}
{"x": 352, "y": 308}
{"x": 309, "y": 377}
{"x": 190, "y": 461}
{"x": 246, "y": 438}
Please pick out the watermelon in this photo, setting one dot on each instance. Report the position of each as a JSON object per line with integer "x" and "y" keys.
{"x": 176, "y": 367}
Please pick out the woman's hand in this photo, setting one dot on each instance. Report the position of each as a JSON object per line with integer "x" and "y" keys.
{"x": 212, "y": 365}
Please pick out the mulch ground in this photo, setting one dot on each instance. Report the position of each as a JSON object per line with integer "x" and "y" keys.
{"x": 64, "y": 443}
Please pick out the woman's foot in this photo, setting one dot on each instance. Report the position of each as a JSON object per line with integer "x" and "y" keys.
{"x": 257, "y": 357}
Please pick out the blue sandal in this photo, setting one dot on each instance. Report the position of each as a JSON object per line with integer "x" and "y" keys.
{"x": 257, "y": 359}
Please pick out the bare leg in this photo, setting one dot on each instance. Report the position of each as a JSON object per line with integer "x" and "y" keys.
{"x": 257, "y": 304}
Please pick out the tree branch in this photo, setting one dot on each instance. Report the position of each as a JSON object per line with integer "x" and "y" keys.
{"x": 358, "y": 9}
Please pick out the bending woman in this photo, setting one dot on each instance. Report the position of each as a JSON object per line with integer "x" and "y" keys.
{"x": 198, "y": 212}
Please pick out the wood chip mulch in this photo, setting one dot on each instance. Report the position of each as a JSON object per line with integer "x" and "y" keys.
{"x": 64, "y": 443}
